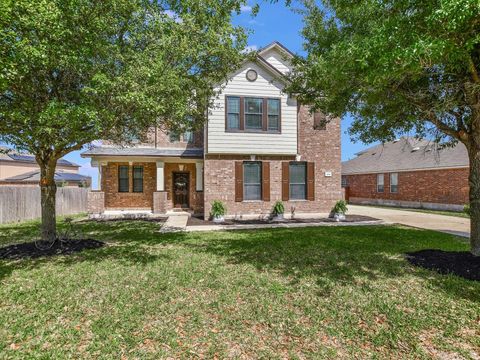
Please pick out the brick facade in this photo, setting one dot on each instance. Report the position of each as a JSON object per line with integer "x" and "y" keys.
{"x": 320, "y": 146}
{"x": 449, "y": 186}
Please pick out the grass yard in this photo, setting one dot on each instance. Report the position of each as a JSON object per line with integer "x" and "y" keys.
{"x": 325, "y": 292}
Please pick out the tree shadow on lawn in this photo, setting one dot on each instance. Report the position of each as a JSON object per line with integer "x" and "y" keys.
{"x": 340, "y": 254}
{"x": 128, "y": 242}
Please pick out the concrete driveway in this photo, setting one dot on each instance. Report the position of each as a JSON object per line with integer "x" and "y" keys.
{"x": 448, "y": 224}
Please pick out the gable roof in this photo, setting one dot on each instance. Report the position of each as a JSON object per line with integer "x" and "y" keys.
{"x": 34, "y": 176}
{"x": 140, "y": 151}
{"x": 8, "y": 154}
{"x": 278, "y": 45}
{"x": 405, "y": 154}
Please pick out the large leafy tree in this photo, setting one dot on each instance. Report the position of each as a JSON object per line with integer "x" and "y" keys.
{"x": 398, "y": 66}
{"x": 75, "y": 71}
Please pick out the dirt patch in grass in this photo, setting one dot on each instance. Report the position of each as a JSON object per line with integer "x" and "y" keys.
{"x": 460, "y": 263}
{"x": 194, "y": 221}
{"x": 30, "y": 250}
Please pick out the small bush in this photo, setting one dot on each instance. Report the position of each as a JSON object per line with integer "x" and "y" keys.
{"x": 278, "y": 208}
{"x": 340, "y": 207}
{"x": 218, "y": 209}
{"x": 466, "y": 209}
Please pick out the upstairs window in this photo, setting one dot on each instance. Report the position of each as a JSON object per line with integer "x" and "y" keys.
{"x": 252, "y": 180}
{"x": 188, "y": 137}
{"x": 233, "y": 113}
{"x": 273, "y": 108}
{"x": 253, "y": 113}
{"x": 123, "y": 178}
{"x": 380, "y": 183}
{"x": 138, "y": 179}
{"x": 174, "y": 136}
{"x": 298, "y": 180}
{"x": 394, "y": 183}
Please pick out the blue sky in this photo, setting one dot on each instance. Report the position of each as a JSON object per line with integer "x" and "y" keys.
{"x": 273, "y": 22}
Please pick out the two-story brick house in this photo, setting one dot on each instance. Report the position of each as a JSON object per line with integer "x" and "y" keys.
{"x": 258, "y": 145}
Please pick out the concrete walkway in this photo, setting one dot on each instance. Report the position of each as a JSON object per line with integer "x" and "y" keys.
{"x": 448, "y": 224}
{"x": 175, "y": 223}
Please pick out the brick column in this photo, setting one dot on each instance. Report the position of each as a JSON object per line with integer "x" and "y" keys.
{"x": 159, "y": 202}
{"x": 96, "y": 202}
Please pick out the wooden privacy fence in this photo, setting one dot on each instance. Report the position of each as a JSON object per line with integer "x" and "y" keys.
{"x": 19, "y": 203}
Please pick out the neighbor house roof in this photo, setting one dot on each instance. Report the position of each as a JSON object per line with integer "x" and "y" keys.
{"x": 405, "y": 154}
{"x": 34, "y": 177}
{"x": 139, "y": 151}
{"x": 8, "y": 154}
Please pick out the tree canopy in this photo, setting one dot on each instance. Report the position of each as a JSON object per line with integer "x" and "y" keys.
{"x": 72, "y": 72}
{"x": 398, "y": 66}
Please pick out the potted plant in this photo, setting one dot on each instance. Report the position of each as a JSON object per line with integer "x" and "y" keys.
{"x": 218, "y": 211}
{"x": 339, "y": 210}
{"x": 278, "y": 211}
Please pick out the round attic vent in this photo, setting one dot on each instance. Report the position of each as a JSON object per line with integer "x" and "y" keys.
{"x": 252, "y": 75}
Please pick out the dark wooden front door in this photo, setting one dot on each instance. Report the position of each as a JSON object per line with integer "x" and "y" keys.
{"x": 180, "y": 190}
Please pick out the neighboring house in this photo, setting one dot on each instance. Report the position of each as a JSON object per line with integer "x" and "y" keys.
{"x": 258, "y": 146}
{"x": 22, "y": 169}
{"x": 408, "y": 172}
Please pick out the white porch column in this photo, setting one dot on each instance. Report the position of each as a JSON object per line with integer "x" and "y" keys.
{"x": 160, "y": 176}
{"x": 199, "y": 176}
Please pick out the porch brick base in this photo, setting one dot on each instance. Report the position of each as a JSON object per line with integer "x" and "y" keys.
{"x": 159, "y": 202}
{"x": 96, "y": 202}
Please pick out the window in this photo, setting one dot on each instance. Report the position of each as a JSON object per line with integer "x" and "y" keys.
{"x": 393, "y": 182}
{"x": 188, "y": 137}
{"x": 344, "y": 181}
{"x": 273, "y": 111}
{"x": 174, "y": 136}
{"x": 233, "y": 113}
{"x": 123, "y": 180}
{"x": 253, "y": 113}
{"x": 252, "y": 180}
{"x": 298, "y": 180}
{"x": 380, "y": 183}
{"x": 319, "y": 121}
{"x": 138, "y": 179}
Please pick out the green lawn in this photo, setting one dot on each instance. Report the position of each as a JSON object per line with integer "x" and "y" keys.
{"x": 325, "y": 292}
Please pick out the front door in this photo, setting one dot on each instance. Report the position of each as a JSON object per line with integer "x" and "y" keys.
{"x": 180, "y": 190}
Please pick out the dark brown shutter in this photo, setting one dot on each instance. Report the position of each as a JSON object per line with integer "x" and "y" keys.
{"x": 319, "y": 121}
{"x": 285, "y": 181}
{"x": 238, "y": 181}
{"x": 265, "y": 181}
{"x": 310, "y": 181}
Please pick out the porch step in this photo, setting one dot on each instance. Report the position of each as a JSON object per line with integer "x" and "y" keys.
{"x": 175, "y": 223}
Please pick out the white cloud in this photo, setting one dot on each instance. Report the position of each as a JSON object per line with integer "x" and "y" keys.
{"x": 245, "y": 8}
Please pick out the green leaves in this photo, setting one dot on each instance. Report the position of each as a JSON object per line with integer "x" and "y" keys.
{"x": 397, "y": 66}
{"x": 73, "y": 72}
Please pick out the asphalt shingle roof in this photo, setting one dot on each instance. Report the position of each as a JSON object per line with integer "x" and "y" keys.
{"x": 406, "y": 154}
{"x": 138, "y": 151}
{"x": 7, "y": 154}
{"x": 34, "y": 176}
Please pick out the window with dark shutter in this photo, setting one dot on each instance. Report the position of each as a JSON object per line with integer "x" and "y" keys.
{"x": 252, "y": 180}
{"x": 238, "y": 181}
{"x": 298, "y": 181}
{"x": 138, "y": 179}
{"x": 123, "y": 178}
{"x": 273, "y": 111}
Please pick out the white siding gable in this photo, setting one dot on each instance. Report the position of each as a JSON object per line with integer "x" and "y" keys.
{"x": 278, "y": 60}
{"x": 252, "y": 143}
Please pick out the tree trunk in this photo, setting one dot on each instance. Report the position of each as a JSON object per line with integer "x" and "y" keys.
{"x": 474, "y": 182}
{"x": 48, "y": 190}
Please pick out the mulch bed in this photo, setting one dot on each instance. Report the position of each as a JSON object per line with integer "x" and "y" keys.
{"x": 195, "y": 221}
{"x": 460, "y": 263}
{"x": 30, "y": 251}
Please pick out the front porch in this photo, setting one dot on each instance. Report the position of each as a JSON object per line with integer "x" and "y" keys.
{"x": 147, "y": 187}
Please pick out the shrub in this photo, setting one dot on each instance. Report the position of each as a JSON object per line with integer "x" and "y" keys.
{"x": 278, "y": 208}
{"x": 218, "y": 209}
{"x": 466, "y": 209}
{"x": 340, "y": 207}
